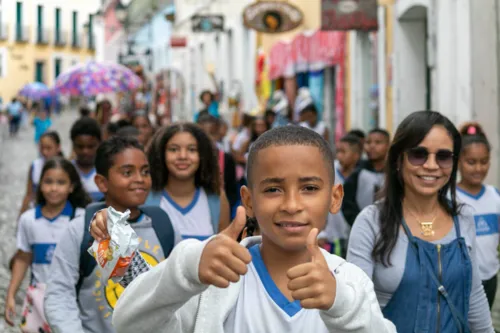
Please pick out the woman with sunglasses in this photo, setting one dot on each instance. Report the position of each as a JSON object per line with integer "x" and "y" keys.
{"x": 416, "y": 244}
{"x": 484, "y": 202}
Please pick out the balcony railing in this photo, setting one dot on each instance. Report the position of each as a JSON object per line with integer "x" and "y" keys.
{"x": 42, "y": 36}
{"x": 60, "y": 38}
{"x": 4, "y": 31}
{"x": 22, "y": 33}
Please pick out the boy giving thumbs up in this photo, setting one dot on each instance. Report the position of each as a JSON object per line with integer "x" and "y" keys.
{"x": 278, "y": 282}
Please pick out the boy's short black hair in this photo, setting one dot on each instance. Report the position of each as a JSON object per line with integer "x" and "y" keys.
{"x": 206, "y": 118}
{"x": 381, "y": 131}
{"x": 84, "y": 111}
{"x": 108, "y": 149}
{"x": 128, "y": 131}
{"x": 353, "y": 141}
{"x": 309, "y": 108}
{"x": 357, "y": 132}
{"x": 86, "y": 126}
{"x": 290, "y": 135}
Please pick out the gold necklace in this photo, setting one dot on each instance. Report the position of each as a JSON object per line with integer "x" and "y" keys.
{"x": 426, "y": 227}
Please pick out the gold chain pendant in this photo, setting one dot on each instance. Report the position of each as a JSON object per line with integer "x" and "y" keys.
{"x": 427, "y": 229}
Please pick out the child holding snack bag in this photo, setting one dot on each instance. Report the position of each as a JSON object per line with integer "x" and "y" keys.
{"x": 59, "y": 198}
{"x": 80, "y": 297}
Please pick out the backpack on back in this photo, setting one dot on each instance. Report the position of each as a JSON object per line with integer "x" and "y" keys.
{"x": 154, "y": 199}
{"x": 161, "y": 225}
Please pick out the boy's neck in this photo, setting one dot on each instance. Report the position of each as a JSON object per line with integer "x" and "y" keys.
{"x": 134, "y": 211}
{"x": 378, "y": 165}
{"x": 180, "y": 188}
{"x": 84, "y": 168}
{"x": 347, "y": 170}
{"x": 278, "y": 260}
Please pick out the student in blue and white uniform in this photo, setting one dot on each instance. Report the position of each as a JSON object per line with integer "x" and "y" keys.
{"x": 186, "y": 181}
{"x": 484, "y": 202}
{"x": 60, "y": 197}
{"x": 49, "y": 146}
{"x": 336, "y": 233}
{"x": 86, "y": 137}
{"x": 416, "y": 244}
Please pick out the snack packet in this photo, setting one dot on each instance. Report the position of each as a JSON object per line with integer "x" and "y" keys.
{"x": 114, "y": 255}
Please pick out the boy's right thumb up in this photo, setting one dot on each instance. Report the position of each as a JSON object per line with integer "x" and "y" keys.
{"x": 238, "y": 224}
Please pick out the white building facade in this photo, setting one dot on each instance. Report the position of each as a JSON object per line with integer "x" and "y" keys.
{"x": 231, "y": 53}
{"x": 446, "y": 59}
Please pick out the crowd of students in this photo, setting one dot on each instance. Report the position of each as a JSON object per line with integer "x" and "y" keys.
{"x": 419, "y": 242}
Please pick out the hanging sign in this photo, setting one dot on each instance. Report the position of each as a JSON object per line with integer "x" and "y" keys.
{"x": 207, "y": 23}
{"x": 349, "y": 15}
{"x": 272, "y": 16}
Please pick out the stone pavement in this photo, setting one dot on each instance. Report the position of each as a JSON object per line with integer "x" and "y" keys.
{"x": 16, "y": 155}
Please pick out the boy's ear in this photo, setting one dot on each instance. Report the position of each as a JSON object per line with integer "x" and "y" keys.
{"x": 246, "y": 200}
{"x": 337, "y": 196}
{"x": 101, "y": 182}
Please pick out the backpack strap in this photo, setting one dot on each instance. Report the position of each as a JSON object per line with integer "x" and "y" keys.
{"x": 162, "y": 227}
{"x": 87, "y": 262}
{"x": 214, "y": 206}
{"x": 154, "y": 199}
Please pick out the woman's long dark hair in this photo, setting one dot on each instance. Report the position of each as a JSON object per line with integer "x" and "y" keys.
{"x": 77, "y": 198}
{"x": 409, "y": 134}
{"x": 207, "y": 175}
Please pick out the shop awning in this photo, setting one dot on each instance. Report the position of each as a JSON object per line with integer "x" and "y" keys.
{"x": 306, "y": 52}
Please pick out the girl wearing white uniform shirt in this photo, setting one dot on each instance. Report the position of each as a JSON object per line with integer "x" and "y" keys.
{"x": 484, "y": 202}
{"x": 58, "y": 197}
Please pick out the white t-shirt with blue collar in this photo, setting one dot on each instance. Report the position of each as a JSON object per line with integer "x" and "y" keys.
{"x": 261, "y": 305}
{"x": 89, "y": 184}
{"x": 192, "y": 221}
{"x": 485, "y": 207}
{"x": 39, "y": 235}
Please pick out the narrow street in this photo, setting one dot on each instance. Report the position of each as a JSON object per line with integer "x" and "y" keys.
{"x": 16, "y": 156}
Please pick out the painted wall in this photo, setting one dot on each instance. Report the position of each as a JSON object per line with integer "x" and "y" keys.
{"x": 233, "y": 54}
{"x": 462, "y": 54}
{"x": 18, "y": 59}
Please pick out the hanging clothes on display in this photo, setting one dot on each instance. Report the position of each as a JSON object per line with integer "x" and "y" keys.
{"x": 317, "y": 90}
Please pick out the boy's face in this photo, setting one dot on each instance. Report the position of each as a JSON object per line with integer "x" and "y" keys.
{"x": 347, "y": 155}
{"x": 308, "y": 117}
{"x": 85, "y": 147}
{"x": 291, "y": 193}
{"x": 376, "y": 146}
{"x": 128, "y": 182}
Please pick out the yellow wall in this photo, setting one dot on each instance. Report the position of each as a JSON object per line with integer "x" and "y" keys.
{"x": 312, "y": 21}
{"x": 21, "y": 59}
{"x": 389, "y": 38}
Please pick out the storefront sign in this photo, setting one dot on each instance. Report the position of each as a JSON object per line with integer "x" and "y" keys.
{"x": 207, "y": 23}
{"x": 349, "y": 15}
{"x": 272, "y": 16}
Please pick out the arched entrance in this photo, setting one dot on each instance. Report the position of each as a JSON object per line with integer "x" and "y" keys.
{"x": 412, "y": 72}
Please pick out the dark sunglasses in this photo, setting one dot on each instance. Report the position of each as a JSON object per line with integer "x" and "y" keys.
{"x": 418, "y": 156}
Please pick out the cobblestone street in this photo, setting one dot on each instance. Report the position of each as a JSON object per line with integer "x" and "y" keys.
{"x": 16, "y": 156}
